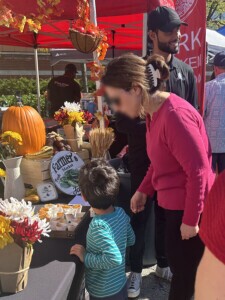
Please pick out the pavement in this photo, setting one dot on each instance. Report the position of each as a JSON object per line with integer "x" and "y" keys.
{"x": 153, "y": 288}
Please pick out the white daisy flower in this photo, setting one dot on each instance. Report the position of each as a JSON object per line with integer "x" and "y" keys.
{"x": 71, "y": 107}
{"x": 16, "y": 210}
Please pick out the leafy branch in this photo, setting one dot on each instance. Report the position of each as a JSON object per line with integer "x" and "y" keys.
{"x": 215, "y": 13}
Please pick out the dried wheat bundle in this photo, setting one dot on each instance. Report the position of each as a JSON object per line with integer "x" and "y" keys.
{"x": 101, "y": 139}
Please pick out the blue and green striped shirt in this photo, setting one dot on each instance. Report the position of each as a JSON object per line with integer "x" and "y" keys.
{"x": 107, "y": 239}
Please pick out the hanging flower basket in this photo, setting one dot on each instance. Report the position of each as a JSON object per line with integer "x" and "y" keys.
{"x": 83, "y": 42}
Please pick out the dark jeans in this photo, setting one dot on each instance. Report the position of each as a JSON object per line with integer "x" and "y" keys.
{"x": 122, "y": 295}
{"x": 138, "y": 223}
{"x": 183, "y": 257}
{"x": 160, "y": 227}
{"x": 218, "y": 160}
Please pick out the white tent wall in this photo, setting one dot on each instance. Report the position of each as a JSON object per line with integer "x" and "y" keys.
{"x": 215, "y": 43}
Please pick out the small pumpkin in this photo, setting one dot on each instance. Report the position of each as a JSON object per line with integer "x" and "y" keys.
{"x": 28, "y": 123}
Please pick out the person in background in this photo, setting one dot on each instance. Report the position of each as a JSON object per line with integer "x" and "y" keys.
{"x": 164, "y": 27}
{"x": 180, "y": 154}
{"x": 211, "y": 271}
{"x": 138, "y": 162}
{"x": 214, "y": 115}
{"x": 63, "y": 88}
{"x": 108, "y": 235}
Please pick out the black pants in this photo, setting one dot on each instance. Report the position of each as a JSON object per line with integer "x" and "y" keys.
{"x": 160, "y": 227}
{"x": 183, "y": 257}
{"x": 138, "y": 223}
{"x": 218, "y": 160}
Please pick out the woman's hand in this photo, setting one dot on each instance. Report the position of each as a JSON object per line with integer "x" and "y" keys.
{"x": 188, "y": 232}
{"x": 138, "y": 202}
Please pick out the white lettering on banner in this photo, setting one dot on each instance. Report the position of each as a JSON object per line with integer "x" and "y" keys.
{"x": 191, "y": 40}
{"x": 195, "y": 62}
{"x": 195, "y": 39}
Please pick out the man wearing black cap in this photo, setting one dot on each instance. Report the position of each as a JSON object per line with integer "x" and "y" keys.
{"x": 214, "y": 115}
{"x": 63, "y": 88}
{"x": 164, "y": 32}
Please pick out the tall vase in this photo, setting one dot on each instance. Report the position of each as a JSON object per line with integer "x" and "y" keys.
{"x": 74, "y": 136}
{"x": 14, "y": 185}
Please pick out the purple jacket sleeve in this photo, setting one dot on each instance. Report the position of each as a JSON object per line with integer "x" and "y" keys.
{"x": 184, "y": 137}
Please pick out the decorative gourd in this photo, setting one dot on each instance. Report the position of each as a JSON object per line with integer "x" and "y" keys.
{"x": 28, "y": 123}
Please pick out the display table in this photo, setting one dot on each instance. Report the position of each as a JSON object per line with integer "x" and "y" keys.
{"x": 54, "y": 273}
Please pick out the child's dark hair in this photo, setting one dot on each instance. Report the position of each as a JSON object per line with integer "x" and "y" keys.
{"x": 99, "y": 183}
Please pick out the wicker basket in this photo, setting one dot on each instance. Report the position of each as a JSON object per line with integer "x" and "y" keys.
{"x": 14, "y": 265}
{"x": 84, "y": 43}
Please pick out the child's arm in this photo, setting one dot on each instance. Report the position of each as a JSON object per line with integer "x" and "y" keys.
{"x": 130, "y": 236}
{"x": 107, "y": 254}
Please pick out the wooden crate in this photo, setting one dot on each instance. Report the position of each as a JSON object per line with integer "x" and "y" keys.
{"x": 35, "y": 171}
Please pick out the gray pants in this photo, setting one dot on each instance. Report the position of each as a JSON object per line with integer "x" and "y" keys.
{"x": 122, "y": 295}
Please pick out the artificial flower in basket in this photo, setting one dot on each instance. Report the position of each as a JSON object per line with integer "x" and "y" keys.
{"x": 9, "y": 143}
{"x": 72, "y": 118}
{"x": 20, "y": 228}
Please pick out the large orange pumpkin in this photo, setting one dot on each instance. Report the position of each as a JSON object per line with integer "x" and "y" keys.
{"x": 28, "y": 123}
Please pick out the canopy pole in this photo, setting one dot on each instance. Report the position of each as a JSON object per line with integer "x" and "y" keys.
{"x": 145, "y": 34}
{"x": 93, "y": 16}
{"x": 37, "y": 80}
{"x": 84, "y": 75}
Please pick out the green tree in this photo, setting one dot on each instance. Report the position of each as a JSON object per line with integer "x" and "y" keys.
{"x": 215, "y": 13}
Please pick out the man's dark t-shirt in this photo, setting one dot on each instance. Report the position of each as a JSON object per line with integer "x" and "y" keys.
{"x": 60, "y": 90}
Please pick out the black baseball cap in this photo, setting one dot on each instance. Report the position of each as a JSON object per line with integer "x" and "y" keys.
{"x": 164, "y": 18}
{"x": 219, "y": 59}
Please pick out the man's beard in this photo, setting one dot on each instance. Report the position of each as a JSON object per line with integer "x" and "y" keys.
{"x": 167, "y": 48}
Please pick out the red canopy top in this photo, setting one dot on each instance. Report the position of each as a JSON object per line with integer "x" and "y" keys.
{"x": 126, "y": 30}
{"x": 124, "y": 17}
{"x": 104, "y": 7}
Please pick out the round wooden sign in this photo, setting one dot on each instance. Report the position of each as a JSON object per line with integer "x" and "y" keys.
{"x": 64, "y": 170}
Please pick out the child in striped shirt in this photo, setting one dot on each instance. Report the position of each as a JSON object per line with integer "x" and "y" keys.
{"x": 108, "y": 236}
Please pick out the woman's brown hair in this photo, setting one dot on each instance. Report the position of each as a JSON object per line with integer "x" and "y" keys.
{"x": 129, "y": 70}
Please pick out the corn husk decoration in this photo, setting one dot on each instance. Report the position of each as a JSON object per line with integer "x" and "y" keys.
{"x": 101, "y": 139}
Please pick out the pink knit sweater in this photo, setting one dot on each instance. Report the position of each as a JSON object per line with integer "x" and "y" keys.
{"x": 180, "y": 154}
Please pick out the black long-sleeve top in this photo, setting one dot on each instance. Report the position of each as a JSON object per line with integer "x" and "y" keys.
{"x": 138, "y": 158}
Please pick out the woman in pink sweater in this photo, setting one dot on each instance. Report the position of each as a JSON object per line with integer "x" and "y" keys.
{"x": 180, "y": 155}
